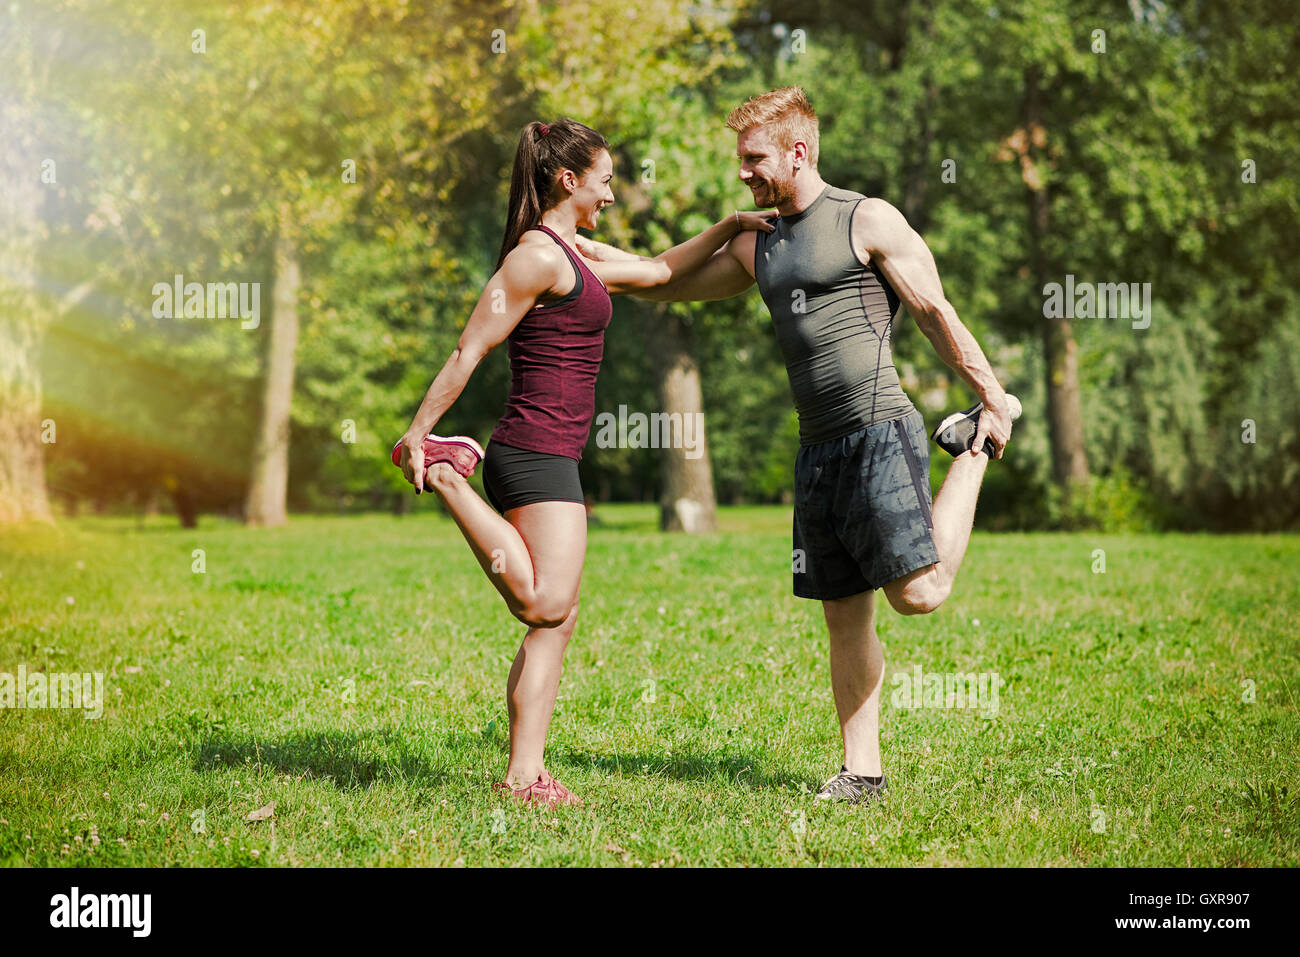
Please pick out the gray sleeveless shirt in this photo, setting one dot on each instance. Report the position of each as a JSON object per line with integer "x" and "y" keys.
{"x": 832, "y": 317}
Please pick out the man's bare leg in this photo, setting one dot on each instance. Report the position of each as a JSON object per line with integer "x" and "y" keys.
{"x": 925, "y": 589}
{"x": 857, "y": 670}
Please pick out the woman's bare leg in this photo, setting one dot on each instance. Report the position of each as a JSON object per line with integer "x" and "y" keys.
{"x": 530, "y": 697}
{"x": 540, "y": 594}
{"x": 534, "y": 556}
{"x": 556, "y": 536}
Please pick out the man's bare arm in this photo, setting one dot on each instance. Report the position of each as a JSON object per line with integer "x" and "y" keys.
{"x": 906, "y": 261}
{"x": 723, "y": 276}
{"x": 626, "y": 273}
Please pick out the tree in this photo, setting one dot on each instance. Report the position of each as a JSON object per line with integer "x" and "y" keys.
{"x": 27, "y": 304}
{"x": 676, "y": 178}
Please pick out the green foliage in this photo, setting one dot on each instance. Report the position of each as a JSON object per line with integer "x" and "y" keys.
{"x": 1258, "y": 428}
{"x": 185, "y": 162}
{"x": 1112, "y": 502}
{"x": 1209, "y": 441}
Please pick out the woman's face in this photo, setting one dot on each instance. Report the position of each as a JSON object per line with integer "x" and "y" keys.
{"x": 593, "y": 193}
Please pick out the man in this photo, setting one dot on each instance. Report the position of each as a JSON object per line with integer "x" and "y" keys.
{"x": 833, "y": 274}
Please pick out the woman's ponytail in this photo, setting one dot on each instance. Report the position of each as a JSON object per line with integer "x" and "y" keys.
{"x": 544, "y": 151}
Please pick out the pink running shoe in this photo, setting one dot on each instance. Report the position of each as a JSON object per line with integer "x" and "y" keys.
{"x": 544, "y": 791}
{"x": 461, "y": 451}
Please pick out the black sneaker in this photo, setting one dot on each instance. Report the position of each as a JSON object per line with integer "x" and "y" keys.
{"x": 853, "y": 788}
{"x": 956, "y": 433}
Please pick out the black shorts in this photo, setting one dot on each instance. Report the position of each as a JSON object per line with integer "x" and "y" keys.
{"x": 862, "y": 509}
{"x": 513, "y": 477}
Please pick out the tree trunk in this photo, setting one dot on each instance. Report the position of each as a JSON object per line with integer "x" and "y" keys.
{"x": 23, "y": 495}
{"x": 1061, "y": 358}
{"x": 686, "y": 503}
{"x": 918, "y": 169}
{"x": 185, "y": 510}
{"x": 270, "y": 479}
{"x": 23, "y": 317}
{"x": 146, "y": 500}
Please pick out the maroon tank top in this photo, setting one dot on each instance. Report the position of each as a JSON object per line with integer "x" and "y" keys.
{"x": 555, "y": 353}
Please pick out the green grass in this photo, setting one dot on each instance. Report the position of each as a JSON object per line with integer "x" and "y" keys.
{"x": 352, "y": 670}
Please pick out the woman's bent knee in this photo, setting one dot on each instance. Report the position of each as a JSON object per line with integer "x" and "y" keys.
{"x": 545, "y": 613}
{"x": 441, "y": 477}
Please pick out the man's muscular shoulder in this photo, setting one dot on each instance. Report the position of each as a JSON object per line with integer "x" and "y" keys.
{"x": 742, "y": 248}
{"x": 876, "y": 222}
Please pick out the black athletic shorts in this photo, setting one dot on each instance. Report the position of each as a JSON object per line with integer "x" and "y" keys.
{"x": 862, "y": 509}
{"x": 513, "y": 477}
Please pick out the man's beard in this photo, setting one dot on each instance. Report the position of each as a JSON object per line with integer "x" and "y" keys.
{"x": 776, "y": 194}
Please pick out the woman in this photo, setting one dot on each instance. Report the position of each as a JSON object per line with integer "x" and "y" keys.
{"x": 552, "y": 306}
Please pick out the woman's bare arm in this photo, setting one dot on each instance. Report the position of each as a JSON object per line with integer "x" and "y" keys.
{"x": 604, "y": 253}
{"x": 527, "y": 272}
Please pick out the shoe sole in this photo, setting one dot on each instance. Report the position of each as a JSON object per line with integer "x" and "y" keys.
{"x": 1013, "y": 405}
{"x": 462, "y": 441}
{"x": 866, "y": 798}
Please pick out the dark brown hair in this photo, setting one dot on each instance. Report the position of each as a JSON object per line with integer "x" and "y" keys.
{"x": 544, "y": 150}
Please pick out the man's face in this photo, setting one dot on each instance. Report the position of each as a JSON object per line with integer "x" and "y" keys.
{"x": 765, "y": 168}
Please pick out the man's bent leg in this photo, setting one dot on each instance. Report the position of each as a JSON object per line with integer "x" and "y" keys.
{"x": 857, "y": 670}
{"x": 925, "y": 589}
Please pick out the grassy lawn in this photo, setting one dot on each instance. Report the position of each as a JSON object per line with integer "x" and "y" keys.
{"x": 352, "y": 671}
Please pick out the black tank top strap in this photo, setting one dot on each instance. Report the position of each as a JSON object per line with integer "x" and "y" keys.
{"x": 578, "y": 286}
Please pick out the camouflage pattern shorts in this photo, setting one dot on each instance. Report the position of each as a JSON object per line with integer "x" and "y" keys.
{"x": 862, "y": 509}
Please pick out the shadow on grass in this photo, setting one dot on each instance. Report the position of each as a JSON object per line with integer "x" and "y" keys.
{"x": 734, "y": 769}
{"x": 361, "y": 758}
{"x": 347, "y": 758}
